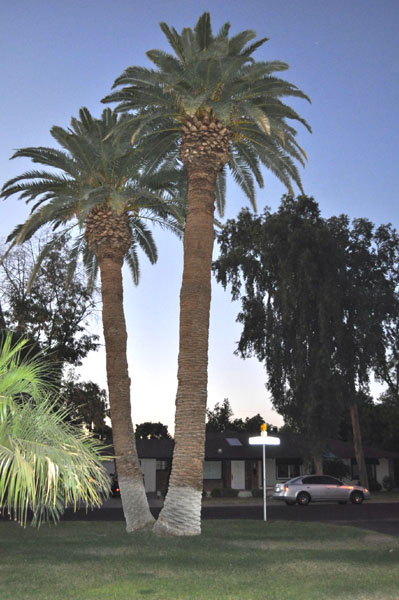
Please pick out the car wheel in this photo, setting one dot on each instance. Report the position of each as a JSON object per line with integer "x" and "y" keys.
{"x": 289, "y": 502}
{"x": 303, "y": 499}
{"x": 357, "y": 497}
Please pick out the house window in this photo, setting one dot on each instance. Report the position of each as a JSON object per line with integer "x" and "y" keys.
{"x": 287, "y": 470}
{"x": 162, "y": 465}
{"x": 212, "y": 469}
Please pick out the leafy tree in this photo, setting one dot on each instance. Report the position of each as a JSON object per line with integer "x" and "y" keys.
{"x": 379, "y": 422}
{"x": 212, "y": 106}
{"x": 86, "y": 403}
{"x": 286, "y": 263}
{"x": 46, "y": 310}
{"x": 94, "y": 185}
{"x": 371, "y": 306}
{"x": 310, "y": 286}
{"x": 152, "y": 431}
{"x": 45, "y": 462}
{"x": 252, "y": 424}
{"x": 219, "y": 419}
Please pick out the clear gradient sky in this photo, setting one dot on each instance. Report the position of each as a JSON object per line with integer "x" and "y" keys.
{"x": 59, "y": 55}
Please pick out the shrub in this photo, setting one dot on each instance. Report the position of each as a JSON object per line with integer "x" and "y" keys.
{"x": 388, "y": 483}
{"x": 336, "y": 468}
{"x": 216, "y": 493}
{"x": 229, "y": 493}
{"x": 257, "y": 493}
{"x": 374, "y": 486}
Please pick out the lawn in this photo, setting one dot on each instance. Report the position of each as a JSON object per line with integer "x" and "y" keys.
{"x": 231, "y": 560}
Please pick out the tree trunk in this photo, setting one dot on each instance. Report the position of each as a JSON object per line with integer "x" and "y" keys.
{"x": 357, "y": 442}
{"x": 181, "y": 514}
{"x": 134, "y": 500}
{"x": 318, "y": 463}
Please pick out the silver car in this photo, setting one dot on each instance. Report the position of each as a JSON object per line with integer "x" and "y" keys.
{"x": 319, "y": 488}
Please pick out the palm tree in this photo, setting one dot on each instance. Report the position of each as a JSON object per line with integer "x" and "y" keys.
{"x": 211, "y": 105}
{"x": 96, "y": 187}
{"x": 45, "y": 462}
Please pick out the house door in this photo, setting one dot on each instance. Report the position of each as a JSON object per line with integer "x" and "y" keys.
{"x": 148, "y": 467}
{"x": 238, "y": 474}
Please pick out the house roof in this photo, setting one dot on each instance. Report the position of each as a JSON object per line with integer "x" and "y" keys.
{"x": 160, "y": 449}
{"x": 235, "y": 446}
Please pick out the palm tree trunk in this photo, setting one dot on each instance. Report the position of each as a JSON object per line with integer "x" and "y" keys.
{"x": 134, "y": 500}
{"x": 181, "y": 514}
{"x": 357, "y": 442}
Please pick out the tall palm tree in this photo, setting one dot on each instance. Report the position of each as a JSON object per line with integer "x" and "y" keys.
{"x": 45, "y": 462}
{"x": 212, "y": 105}
{"x": 96, "y": 187}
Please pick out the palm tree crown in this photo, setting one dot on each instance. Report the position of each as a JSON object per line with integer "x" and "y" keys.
{"x": 212, "y": 101}
{"x": 94, "y": 183}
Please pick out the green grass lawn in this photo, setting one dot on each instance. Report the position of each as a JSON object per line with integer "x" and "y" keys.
{"x": 231, "y": 560}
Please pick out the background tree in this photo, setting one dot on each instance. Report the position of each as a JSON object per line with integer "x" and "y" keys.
{"x": 252, "y": 424}
{"x": 370, "y": 307}
{"x": 310, "y": 286}
{"x": 94, "y": 184}
{"x": 152, "y": 431}
{"x": 54, "y": 315}
{"x": 286, "y": 264}
{"x": 45, "y": 462}
{"x": 220, "y": 419}
{"x": 211, "y": 105}
{"x": 86, "y": 403}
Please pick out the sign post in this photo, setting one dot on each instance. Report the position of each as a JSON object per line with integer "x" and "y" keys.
{"x": 264, "y": 440}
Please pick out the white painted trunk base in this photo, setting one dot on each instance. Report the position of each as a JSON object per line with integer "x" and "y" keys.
{"x": 135, "y": 505}
{"x": 181, "y": 514}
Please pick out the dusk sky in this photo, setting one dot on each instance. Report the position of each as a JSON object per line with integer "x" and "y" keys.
{"x": 57, "y": 56}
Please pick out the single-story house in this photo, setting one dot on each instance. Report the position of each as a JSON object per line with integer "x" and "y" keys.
{"x": 231, "y": 462}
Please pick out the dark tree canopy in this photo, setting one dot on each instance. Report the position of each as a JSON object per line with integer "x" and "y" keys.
{"x": 46, "y": 310}
{"x": 152, "y": 431}
{"x": 220, "y": 419}
{"x": 87, "y": 403}
{"x": 316, "y": 296}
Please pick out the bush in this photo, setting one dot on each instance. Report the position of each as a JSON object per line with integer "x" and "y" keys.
{"x": 388, "y": 483}
{"x": 257, "y": 493}
{"x": 216, "y": 493}
{"x": 336, "y": 468}
{"x": 374, "y": 486}
{"x": 229, "y": 493}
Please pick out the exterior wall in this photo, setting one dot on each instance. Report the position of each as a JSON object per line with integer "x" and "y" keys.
{"x": 383, "y": 469}
{"x": 270, "y": 473}
{"x": 254, "y": 474}
{"x": 148, "y": 467}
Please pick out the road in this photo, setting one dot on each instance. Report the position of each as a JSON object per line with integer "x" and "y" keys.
{"x": 381, "y": 517}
